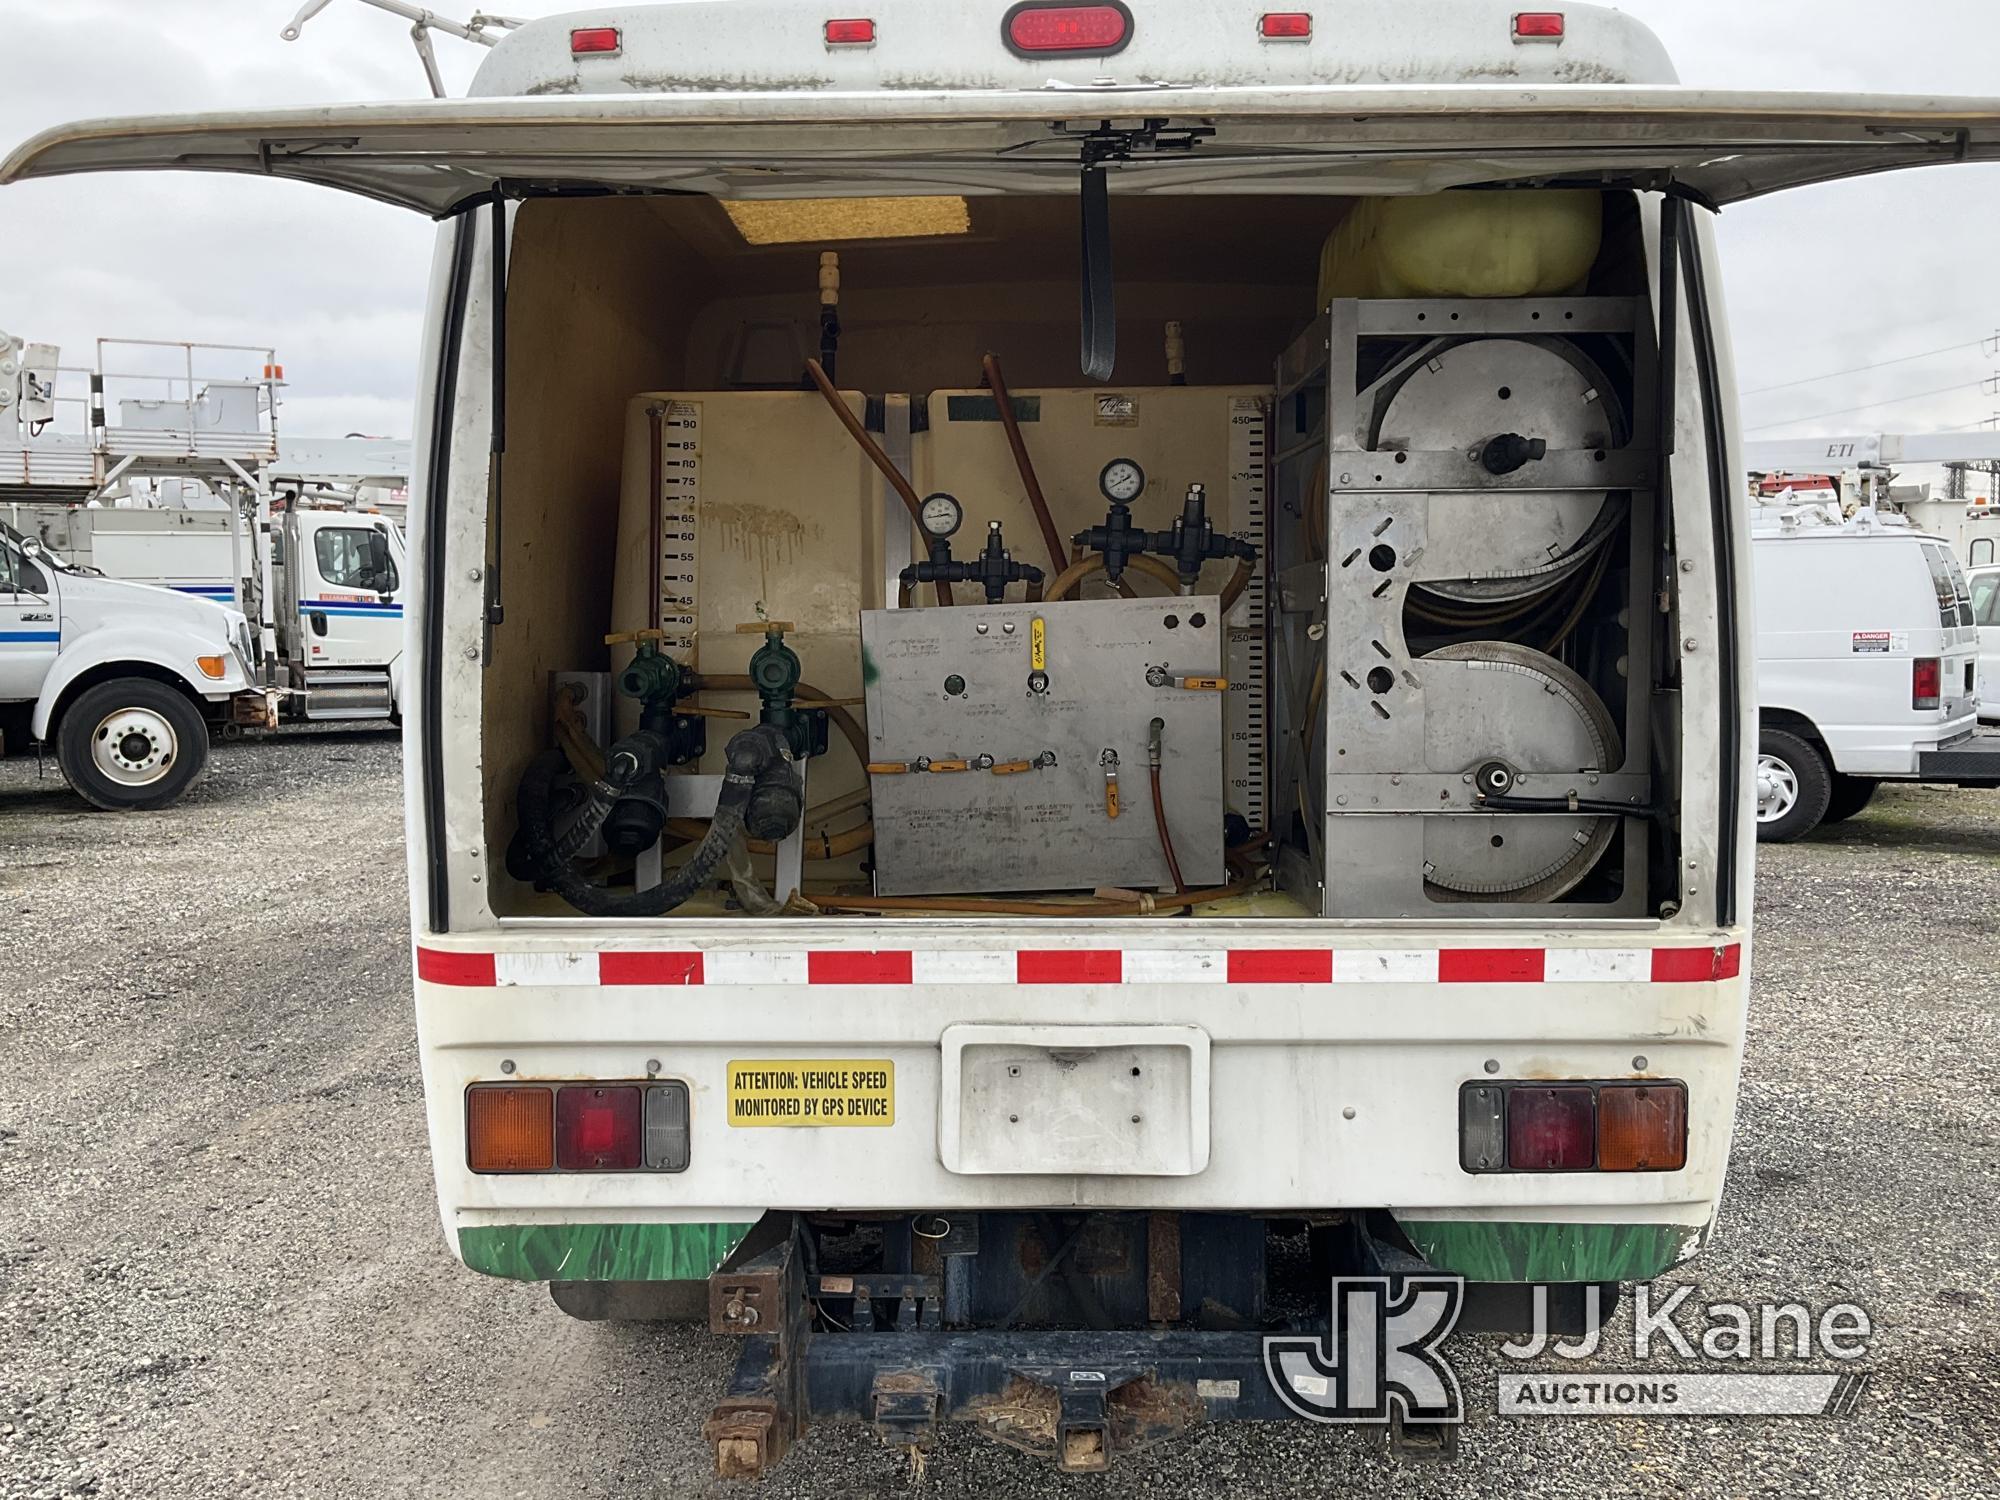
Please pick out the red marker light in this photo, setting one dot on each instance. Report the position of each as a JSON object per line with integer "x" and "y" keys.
{"x": 850, "y": 33}
{"x": 1041, "y": 28}
{"x": 1539, "y": 26}
{"x": 1927, "y": 682}
{"x": 1548, "y": 1130}
{"x": 605, "y": 41}
{"x": 597, "y": 1128}
{"x": 1285, "y": 26}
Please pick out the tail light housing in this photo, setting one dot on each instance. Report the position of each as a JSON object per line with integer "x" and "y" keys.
{"x": 1927, "y": 682}
{"x": 1285, "y": 26}
{"x": 854, "y": 33}
{"x": 1045, "y": 28}
{"x": 577, "y": 1127}
{"x": 1539, "y": 26}
{"x": 1628, "y": 1126}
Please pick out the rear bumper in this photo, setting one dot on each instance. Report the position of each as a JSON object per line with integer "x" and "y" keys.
{"x": 1973, "y": 762}
{"x": 1332, "y": 1083}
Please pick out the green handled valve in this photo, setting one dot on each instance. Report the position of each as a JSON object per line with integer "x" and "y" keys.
{"x": 775, "y": 669}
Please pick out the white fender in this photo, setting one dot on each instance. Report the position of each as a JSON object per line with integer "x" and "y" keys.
{"x": 167, "y": 644}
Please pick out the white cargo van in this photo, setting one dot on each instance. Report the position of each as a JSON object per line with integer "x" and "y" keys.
{"x": 1317, "y": 802}
{"x": 1867, "y": 666}
{"x": 1984, "y": 584}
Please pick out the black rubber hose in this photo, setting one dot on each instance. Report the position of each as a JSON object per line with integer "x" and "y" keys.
{"x": 750, "y": 754}
{"x": 619, "y": 775}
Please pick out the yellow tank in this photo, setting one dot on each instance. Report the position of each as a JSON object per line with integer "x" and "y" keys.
{"x": 1497, "y": 244}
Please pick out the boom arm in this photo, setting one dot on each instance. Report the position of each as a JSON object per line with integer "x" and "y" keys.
{"x": 422, "y": 23}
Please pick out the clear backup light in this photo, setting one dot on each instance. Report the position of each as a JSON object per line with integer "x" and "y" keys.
{"x": 1539, "y": 26}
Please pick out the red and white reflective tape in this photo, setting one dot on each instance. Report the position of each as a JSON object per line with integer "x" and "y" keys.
{"x": 1232, "y": 966}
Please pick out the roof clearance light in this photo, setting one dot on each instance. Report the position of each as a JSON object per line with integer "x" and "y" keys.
{"x": 1036, "y": 28}
{"x": 1539, "y": 26}
{"x": 850, "y": 33}
{"x": 604, "y": 41}
{"x": 1285, "y": 26}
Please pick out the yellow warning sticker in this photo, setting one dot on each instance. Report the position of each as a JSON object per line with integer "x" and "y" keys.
{"x": 817, "y": 1091}
{"x": 1038, "y": 645}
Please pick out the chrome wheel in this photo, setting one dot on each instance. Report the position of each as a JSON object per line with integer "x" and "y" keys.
{"x": 134, "y": 747}
{"x": 1777, "y": 789}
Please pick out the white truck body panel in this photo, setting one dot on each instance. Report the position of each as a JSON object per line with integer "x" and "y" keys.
{"x": 1985, "y": 584}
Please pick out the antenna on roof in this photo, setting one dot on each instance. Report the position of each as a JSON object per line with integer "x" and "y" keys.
{"x": 422, "y": 23}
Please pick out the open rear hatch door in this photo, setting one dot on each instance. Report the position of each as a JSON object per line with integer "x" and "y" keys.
{"x": 436, "y": 156}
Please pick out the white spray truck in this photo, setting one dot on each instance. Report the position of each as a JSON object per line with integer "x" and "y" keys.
{"x": 1304, "y": 819}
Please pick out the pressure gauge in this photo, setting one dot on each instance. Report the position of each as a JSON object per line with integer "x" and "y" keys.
{"x": 942, "y": 515}
{"x": 1122, "y": 481}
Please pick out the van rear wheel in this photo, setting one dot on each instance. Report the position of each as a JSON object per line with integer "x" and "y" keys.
{"x": 131, "y": 744}
{"x": 1794, "y": 787}
{"x": 1850, "y": 795}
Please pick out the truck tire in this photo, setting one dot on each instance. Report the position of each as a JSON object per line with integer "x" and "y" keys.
{"x": 1794, "y": 787}
{"x": 1850, "y": 795}
{"x": 131, "y": 744}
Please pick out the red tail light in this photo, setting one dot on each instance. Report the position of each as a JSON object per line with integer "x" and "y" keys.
{"x": 850, "y": 33}
{"x": 1285, "y": 26}
{"x": 1539, "y": 26}
{"x": 598, "y": 1128}
{"x": 1036, "y": 28}
{"x": 1548, "y": 1130}
{"x": 1927, "y": 682}
{"x": 601, "y": 40}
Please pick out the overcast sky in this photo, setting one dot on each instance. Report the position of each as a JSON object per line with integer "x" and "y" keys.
{"x": 1818, "y": 281}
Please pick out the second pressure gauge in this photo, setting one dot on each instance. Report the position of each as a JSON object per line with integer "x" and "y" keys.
{"x": 942, "y": 515}
{"x": 1122, "y": 481}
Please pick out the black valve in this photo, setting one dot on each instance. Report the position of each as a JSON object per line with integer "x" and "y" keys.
{"x": 1117, "y": 539}
{"x": 1194, "y": 539}
{"x": 993, "y": 569}
{"x": 1510, "y": 451}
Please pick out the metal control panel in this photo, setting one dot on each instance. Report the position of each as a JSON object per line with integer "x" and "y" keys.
{"x": 1009, "y": 744}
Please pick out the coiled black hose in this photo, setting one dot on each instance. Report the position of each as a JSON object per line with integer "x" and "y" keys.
{"x": 753, "y": 755}
{"x": 619, "y": 774}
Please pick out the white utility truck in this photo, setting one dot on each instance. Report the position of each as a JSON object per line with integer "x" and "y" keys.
{"x": 1310, "y": 805}
{"x": 1867, "y": 666}
{"x": 123, "y": 679}
{"x": 290, "y": 531}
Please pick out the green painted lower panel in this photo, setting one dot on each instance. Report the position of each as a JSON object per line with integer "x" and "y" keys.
{"x": 1486, "y": 1250}
{"x": 599, "y": 1252}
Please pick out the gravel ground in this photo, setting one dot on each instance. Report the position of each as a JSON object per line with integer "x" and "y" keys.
{"x": 221, "y": 1271}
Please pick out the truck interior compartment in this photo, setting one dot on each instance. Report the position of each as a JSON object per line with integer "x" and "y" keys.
{"x": 830, "y": 584}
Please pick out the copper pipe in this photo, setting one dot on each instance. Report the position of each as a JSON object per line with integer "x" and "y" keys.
{"x": 997, "y": 383}
{"x": 1166, "y": 838}
{"x": 972, "y": 906}
{"x": 876, "y": 456}
{"x": 1066, "y": 581}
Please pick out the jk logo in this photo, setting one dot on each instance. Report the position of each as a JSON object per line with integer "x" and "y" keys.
{"x": 1381, "y": 1354}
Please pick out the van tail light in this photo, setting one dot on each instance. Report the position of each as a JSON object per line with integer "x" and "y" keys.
{"x": 1035, "y": 28}
{"x": 1539, "y": 26}
{"x": 598, "y": 1128}
{"x": 1642, "y": 1128}
{"x": 1927, "y": 682}
{"x": 1634, "y": 1125}
{"x": 509, "y": 1128}
{"x": 1285, "y": 26}
{"x": 598, "y": 41}
{"x": 1551, "y": 1130}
